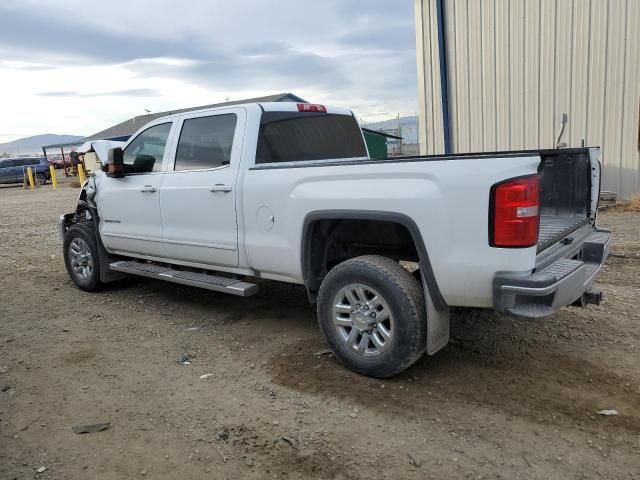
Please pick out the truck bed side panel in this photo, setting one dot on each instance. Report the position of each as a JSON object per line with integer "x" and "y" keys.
{"x": 448, "y": 199}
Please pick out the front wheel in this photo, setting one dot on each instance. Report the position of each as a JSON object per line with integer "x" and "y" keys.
{"x": 372, "y": 313}
{"x": 42, "y": 178}
{"x": 81, "y": 256}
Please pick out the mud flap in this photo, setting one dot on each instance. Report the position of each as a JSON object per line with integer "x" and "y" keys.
{"x": 437, "y": 326}
{"x": 106, "y": 274}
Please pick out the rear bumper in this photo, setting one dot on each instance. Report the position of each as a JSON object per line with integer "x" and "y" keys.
{"x": 563, "y": 282}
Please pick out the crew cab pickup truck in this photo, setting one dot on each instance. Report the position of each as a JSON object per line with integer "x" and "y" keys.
{"x": 225, "y": 198}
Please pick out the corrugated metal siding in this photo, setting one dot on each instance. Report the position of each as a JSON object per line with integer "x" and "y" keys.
{"x": 429, "y": 94}
{"x": 516, "y": 66}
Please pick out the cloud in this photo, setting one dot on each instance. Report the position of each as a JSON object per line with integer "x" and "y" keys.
{"x": 115, "y": 58}
{"x": 65, "y": 39}
{"x": 131, "y": 92}
{"x": 279, "y": 70}
{"x": 58, "y": 94}
{"x": 399, "y": 38}
{"x": 35, "y": 68}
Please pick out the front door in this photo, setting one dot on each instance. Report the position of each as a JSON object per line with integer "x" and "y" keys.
{"x": 198, "y": 196}
{"x": 130, "y": 207}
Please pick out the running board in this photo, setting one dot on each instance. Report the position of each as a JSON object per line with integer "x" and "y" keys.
{"x": 200, "y": 280}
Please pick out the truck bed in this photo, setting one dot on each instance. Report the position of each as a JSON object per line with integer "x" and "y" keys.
{"x": 565, "y": 188}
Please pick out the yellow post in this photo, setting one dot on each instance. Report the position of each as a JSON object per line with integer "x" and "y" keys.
{"x": 30, "y": 176}
{"x": 81, "y": 174}
{"x": 54, "y": 180}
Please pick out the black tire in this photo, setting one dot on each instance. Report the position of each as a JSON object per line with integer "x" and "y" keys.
{"x": 86, "y": 233}
{"x": 42, "y": 178}
{"x": 405, "y": 299}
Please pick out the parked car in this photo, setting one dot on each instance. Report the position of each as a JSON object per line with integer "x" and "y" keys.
{"x": 219, "y": 198}
{"x": 13, "y": 170}
{"x": 58, "y": 162}
{"x": 69, "y": 160}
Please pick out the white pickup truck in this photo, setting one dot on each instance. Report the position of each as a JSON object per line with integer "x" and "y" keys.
{"x": 224, "y": 198}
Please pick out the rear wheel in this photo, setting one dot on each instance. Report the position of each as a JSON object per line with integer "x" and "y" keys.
{"x": 42, "y": 178}
{"x": 372, "y": 313}
{"x": 81, "y": 256}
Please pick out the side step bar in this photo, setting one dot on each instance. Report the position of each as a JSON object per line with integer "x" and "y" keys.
{"x": 201, "y": 280}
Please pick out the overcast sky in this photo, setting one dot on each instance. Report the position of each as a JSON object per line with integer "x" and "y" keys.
{"x": 78, "y": 66}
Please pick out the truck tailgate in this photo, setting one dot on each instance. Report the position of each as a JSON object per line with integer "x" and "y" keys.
{"x": 570, "y": 250}
{"x": 553, "y": 229}
{"x": 565, "y": 194}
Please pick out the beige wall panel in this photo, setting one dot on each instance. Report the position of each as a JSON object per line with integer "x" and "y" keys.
{"x": 562, "y": 79}
{"x": 630, "y": 144}
{"x": 613, "y": 98}
{"x": 514, "y": 68}
{"x": 546, "y": 92}
{"x": 429, "y": 95}
{"x": 488, "y": 92}
{"x": 532, "y": 29}
{"x": 597, "y": 70}
{"x": 516, "y": 22}
{"x": 581, "y": 47}
{"x": 503, "y": 123}
{"x": 475, "y": 84}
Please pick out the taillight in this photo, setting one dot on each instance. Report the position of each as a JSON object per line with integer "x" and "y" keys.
{"x": 515, "y": 213}
{"x": 311, "y": 107}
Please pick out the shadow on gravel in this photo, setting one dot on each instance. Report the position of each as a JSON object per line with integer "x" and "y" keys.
{"x": 494, "y": 370}
{"x": 507, "y": 366}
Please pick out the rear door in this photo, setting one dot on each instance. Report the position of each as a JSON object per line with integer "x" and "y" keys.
{"x": 130, "y": 207}
{"x": 198, "y": 196}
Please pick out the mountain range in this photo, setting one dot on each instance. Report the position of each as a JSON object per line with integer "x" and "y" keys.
{"x": 34, "y": 144}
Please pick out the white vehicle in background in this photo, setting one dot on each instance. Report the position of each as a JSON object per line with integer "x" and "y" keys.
{"x": 224, "y": 198}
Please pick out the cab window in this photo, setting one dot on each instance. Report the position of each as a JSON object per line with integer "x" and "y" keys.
{"x": 294, "y": 136}
{"x": 144, "y": 154}
{"x": 205, "y": 142}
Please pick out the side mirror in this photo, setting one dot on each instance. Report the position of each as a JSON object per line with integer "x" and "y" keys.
{"x": 115, "y": 164}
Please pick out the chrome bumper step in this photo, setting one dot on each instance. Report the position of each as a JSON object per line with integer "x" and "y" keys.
{"x": 192, "y": 279}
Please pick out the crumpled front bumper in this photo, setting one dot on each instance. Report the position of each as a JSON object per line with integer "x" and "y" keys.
{"x": 565, "y": 281}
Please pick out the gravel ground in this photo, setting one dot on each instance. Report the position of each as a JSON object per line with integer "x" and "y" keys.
{"x": 506, "y": 399}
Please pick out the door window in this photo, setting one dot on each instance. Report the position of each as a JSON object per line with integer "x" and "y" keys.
{"x": 205, "y": 142}
{"x": 144, "y": 154}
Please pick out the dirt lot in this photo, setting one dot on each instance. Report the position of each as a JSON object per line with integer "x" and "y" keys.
{"x": 507, "y": 398}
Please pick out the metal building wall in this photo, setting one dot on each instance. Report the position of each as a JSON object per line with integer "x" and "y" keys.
{"x": 514, "y": 67}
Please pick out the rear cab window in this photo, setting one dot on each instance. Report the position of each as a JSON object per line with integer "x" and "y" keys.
{"x": 300, "y": 136}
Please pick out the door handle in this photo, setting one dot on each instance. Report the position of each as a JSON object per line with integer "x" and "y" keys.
{"x": 149, "y": 189}
{"x": 219, "y": 187}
